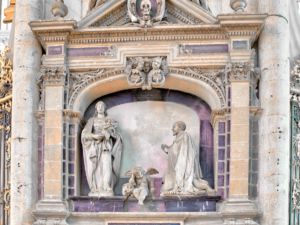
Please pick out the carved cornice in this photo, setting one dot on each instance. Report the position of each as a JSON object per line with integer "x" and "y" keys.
{"x": 71, "y": 115}
{"x": 61, "y": 31}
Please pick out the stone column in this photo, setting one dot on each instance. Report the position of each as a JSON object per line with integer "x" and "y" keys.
{"x": 27, "y": 60}
{"x": 274, "y": 135}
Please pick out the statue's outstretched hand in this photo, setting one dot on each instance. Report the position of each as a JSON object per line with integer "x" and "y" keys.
{"x": 165, "y": 148}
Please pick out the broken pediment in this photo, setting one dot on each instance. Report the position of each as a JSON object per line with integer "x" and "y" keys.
{"x": 147, "y": 13}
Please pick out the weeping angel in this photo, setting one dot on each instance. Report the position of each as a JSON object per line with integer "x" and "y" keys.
{"x": 139, "y": 184}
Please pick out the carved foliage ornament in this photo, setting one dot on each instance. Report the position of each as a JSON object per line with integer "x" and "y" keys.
{"x": 5, "y": 74}
{"x": 146, "y": 12}
{"x": 146, "y": 72}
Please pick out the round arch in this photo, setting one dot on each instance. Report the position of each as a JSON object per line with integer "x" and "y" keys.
{"x": 207, "y": 91}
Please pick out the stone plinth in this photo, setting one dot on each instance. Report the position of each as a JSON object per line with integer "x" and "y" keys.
{"x": 161, "y": 204}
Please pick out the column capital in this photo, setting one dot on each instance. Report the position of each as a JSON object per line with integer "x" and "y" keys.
{"x": 53, "y": 76}
{"x": 241, "y": 71}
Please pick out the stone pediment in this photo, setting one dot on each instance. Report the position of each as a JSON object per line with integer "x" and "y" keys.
{"x": 117, "y": 13}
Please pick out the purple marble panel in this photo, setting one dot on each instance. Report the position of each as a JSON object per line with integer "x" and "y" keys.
{"x": 221, "y": 192}
{"x": 221, "y": 181}
{"x": 55, "y": 50}
{"x": 221, "y": 167}
{"x": 221, "y": 141}
{"x": 204, "y": 204}
{"x": 170, "y": 204}
{"x": 200, "y": 49}
{"x": 221, "y": 127}
{"x": 228, "y": 152}
{"x": 157, "y": 205}
{"x": 221, "y": 154}
{"x": 97, "y": 205}
{"x": 95, "y": 51}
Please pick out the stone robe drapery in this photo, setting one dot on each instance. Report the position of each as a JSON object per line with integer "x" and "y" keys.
{"x": 94, "y": 150}
{"x": 184, "y": 173}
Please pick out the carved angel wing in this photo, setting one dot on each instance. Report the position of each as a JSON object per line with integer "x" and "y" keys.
{"x": 152, "y": 171}
{"x": 161, "y": 6}
{"x": 131, "y": 6}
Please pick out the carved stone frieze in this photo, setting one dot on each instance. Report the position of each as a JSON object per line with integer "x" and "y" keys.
{"x": 146, "y": 72}
{"x": 5, "y": 74}
{"x": 296, "y": 194}
{"x": 147, "y": 12}
{"x": 79, "y": 81}
{"x": 50, "y": 76}
{"x": 295, "y": 81}
{"x": 245, "y": 71}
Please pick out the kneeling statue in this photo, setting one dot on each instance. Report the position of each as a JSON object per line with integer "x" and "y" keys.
{"x": 184, "y": 176}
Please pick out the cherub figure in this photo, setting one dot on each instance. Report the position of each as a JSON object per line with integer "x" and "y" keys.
{"x": 139, "y": 183}
{"x": 156, "y": 75}
{"x": 136, "y": 73}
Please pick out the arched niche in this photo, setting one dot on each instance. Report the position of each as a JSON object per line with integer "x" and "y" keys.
{"x": 203, "y": 90}
{"x": 165, "y": 107}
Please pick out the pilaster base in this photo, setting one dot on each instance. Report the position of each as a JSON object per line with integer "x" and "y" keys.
{"x": 50, "y": 212}
{"x": 239, "y": 212}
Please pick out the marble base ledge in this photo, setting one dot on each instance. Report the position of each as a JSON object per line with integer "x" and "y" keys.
{"x": 163, "y": 204}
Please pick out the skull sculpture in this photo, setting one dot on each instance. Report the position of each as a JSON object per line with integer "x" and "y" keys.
{"x": 146, "y": 10}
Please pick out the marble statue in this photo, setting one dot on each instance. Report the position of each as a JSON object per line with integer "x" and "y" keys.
{"x": 146, "y": 19}
{"x": 139, "y": 184}
{"x": 102, "y": 151}
{"x": 183, "y": 176}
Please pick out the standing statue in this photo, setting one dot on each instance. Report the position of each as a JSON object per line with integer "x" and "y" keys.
{"x": 139, "y": 184}
{"x": 184, "y": 176}
{"x": 102, "y": 151}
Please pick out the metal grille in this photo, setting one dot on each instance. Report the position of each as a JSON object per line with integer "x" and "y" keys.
{"x": 295, "y": 165}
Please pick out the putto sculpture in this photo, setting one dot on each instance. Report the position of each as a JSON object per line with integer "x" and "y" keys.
{"x": 146, "y": 12}
{"x": 139, "y": 184}
{"x": 146, "y": 72}
{"x": 102, "y": 152}
{"x": 184, "y": 175}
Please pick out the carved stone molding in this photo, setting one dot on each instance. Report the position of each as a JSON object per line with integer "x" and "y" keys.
{"x": 234, "y": 221}
{"x": 238, "y": 71}
{"x": 295, "y": 81}
{"x": 79, "y": 81}
{"x": 296, "y": 194}
{"x": 146, "y": 72}
{"x": 50, "y": 76}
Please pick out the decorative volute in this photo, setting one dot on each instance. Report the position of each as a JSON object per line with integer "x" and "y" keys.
{"x": 59, "y": 9}
{"x": 238, "y": 5}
